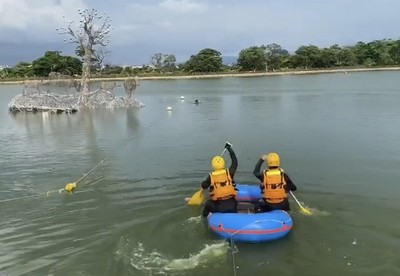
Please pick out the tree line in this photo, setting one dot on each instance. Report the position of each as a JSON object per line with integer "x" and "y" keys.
{"x": 271, "y": 57}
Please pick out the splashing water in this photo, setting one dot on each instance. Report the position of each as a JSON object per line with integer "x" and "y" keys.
{"x": 207, "y": 254}
{"x": 194, "y": 219}
{"x": 191, "y": 226}
{"x": 154, "y": 262}
{"x": 313, "y": 211}
{"x": 316, "y": 212}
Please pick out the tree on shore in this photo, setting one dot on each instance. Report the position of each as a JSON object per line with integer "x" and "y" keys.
{"x": 22, "y": 69}
{"x": 93, "y": 31}
{"x": 253, "y": 59}
{"x": 53, "y": 61}
{"x": 308, "y": 57}
{"x": 275, "y": 56}
{"x": 163, "y": 62}
{"x": 384, "y": 52}
{"x": 206, "y": 61}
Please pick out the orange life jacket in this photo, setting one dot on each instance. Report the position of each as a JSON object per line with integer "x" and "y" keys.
{"x": 274, "y": 186}
{"x": 221, "y": 187}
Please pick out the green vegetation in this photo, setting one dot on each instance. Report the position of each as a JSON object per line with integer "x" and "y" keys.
{"x": 253, "y": 59}
{"x": 52, "y": 61}
{"x": 206, "y": 61}
{"x": 272, "y": 57}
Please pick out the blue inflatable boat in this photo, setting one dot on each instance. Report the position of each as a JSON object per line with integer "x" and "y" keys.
{"x": 248, "y": 193}
{"x": 250, "y": 227}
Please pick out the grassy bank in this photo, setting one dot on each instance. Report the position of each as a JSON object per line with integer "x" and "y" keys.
{"x": 222, "y": 74}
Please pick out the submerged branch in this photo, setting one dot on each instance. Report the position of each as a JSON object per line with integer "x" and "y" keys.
{"x": 43, "y": 101}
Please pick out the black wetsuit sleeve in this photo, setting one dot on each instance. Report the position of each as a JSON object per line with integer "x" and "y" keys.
{"x": 289, "y": 184}
{"x": 234, "y": 164}
{"x": 257, "y": 170}
{"x": 206, "y": 183}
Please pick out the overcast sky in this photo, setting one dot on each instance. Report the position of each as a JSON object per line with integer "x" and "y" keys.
{"x": 183, "y": 27}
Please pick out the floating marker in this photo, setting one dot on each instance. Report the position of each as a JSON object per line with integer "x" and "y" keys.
{"x": 182, "y": 97}
{"x": 169, "y": 108}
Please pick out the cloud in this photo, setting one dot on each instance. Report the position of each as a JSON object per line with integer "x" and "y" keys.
{"x": 12, "y": 14}
{"x": 183, "y": 27}
{"x": 26, "y": 20}
{"x": 13, "y": 52}
{"x": 183, "y": 6}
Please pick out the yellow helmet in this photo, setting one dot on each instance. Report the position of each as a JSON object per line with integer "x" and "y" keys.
{"x": 273, "y": 160}
{"x": 217, "y": 163}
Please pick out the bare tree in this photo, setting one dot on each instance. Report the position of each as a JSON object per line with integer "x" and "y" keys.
{"x": 157, "y": 61}
{"x": 163, "y": 62}
{"x": 93, "y": 30}
{"x": 99, "y": 56}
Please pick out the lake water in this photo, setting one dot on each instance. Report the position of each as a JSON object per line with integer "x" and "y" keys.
{"x": 338, "y": 136}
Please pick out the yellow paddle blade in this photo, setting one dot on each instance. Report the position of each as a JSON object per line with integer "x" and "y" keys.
{"x": 196, "y": 199}
{"x": 305, "y": 211}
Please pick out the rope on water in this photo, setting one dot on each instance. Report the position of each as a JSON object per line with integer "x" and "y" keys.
{"x": 73, "y": 184}
{"x": 25, "y": 197}
{"x": 53, "y": 191}
{"x": 70, "y": 187}
{"x": 233, "y": 249}
{"x": 86, "y": 174}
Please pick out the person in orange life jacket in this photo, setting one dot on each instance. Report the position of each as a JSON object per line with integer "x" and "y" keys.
{"x": 275, "y": 184}
{"x": 221, "y": 185}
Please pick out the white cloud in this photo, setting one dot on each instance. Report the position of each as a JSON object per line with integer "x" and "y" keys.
{"x": 183, "y": 27}
{"x": 13, "y": 14}
{"x": 35, "y": 19}
{"x": 183, "y": 6}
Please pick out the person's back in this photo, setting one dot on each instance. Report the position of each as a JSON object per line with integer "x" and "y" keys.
{"x": 275, "y": 184}
{"x": 221, "y": 185}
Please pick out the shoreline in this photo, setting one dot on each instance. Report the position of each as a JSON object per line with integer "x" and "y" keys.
{"x": 236, "y": 75}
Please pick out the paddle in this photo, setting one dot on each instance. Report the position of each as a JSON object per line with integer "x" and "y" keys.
{"x": 198, "y": 197}
{"x": 303, "y": 209}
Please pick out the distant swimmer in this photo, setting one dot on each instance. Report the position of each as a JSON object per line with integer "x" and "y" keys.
{"x": 196, "y": 101}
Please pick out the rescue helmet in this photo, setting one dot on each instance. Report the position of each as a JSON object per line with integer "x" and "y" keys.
{"x": 273, "y": 160}
{"x": 217, "y": 163}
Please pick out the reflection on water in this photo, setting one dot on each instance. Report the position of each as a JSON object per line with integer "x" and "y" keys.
{"x": 132, "y": 121}
{"x": 38, "y": 123}
{"x": 252, "y": 99}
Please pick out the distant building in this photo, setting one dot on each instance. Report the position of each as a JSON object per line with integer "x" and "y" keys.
{"x": 137, "y": 66}
{"x": 142, "y": 66}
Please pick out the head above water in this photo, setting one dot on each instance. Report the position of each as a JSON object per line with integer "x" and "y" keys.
{"x": 196, "y": 101}
{"x": 273, "y": 160}
{"x": 217, "y": 163}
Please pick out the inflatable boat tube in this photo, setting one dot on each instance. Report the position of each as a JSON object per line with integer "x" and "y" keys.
{"x": 250, "y": 227}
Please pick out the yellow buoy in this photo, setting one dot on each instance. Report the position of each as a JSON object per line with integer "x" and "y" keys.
{"x": 70, "y": 187}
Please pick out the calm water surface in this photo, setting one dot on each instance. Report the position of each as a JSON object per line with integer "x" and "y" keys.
{"x": 338, "y": 136}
